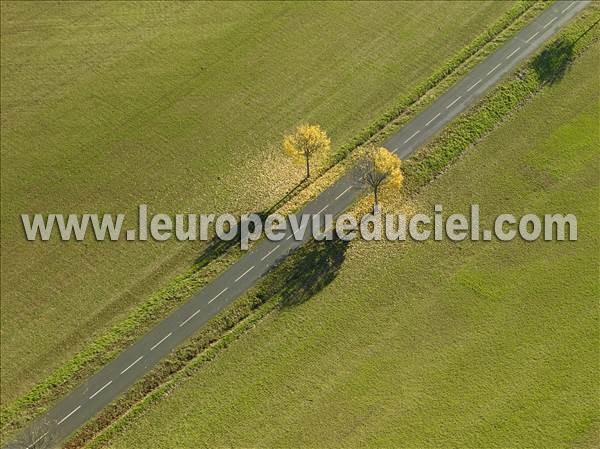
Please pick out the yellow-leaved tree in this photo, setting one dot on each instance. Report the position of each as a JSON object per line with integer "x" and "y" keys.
{"x": 305, "y": 142}
{"x": 379, "y": 168}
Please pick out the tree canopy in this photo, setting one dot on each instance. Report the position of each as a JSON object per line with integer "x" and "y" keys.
{"x": 306, "y": 141}
{"x": 380, "y": 168}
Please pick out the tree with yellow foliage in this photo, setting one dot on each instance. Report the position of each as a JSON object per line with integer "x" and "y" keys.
{"x": 379, "y": 168}
{"x": 305, "y": 142}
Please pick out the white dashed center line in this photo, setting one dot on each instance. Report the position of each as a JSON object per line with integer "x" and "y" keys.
{"x": 410, "y": 138}
{"x": 183, "y": 323}
{"x": 220, "y": 293}
{"x": 343, "y": 193}
{"x": 136, "y": 360}
{"x": 430, "y": 121}
{"x": 68, "y": 416}
{"x": 269, "y": 253}
{"x": 298, "y": 230}
{"x": 160, "y": 341}
{"x": 244, "y": 273}
{"x": 105, "y": 385}
{"x": 567, "y": 8}
{"x": 326, "y": 206}
{"x": 473, "y": 86}
{"x": 37, "y": 441}
{"x": 548, "y": 24}
{"x": 494, "y": 69}
{"x": 513, "y": 52}
{"x": 532, "y": 36}
{"x": 452, "y": 104}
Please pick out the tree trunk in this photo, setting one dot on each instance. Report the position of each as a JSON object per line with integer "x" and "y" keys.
{"x": 307, "y": 167}
{"x": 375, "y": 193}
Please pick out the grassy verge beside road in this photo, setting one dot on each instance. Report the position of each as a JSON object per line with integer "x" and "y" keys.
{"x": 493, "y": 323}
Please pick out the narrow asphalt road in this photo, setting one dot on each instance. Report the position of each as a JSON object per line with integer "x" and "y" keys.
{"x": 115, "y": 378}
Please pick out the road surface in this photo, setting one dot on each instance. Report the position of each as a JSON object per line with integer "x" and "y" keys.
{"x": 116, "y": 377}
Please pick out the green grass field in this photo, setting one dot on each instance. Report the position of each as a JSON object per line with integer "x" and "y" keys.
{"x": 439, "y": 344}
{"x": 181, "y": 107}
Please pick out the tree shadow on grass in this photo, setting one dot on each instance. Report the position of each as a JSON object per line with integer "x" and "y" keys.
{"x": 217, "y": 247}
{"x": 281, "y": 201}
{"x": 553, "y": 62}
{"x": 309, "y": 270}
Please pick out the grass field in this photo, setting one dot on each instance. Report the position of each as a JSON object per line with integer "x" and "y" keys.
{"x": 109, "y": 105}
{"x": 435, "y": 344}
